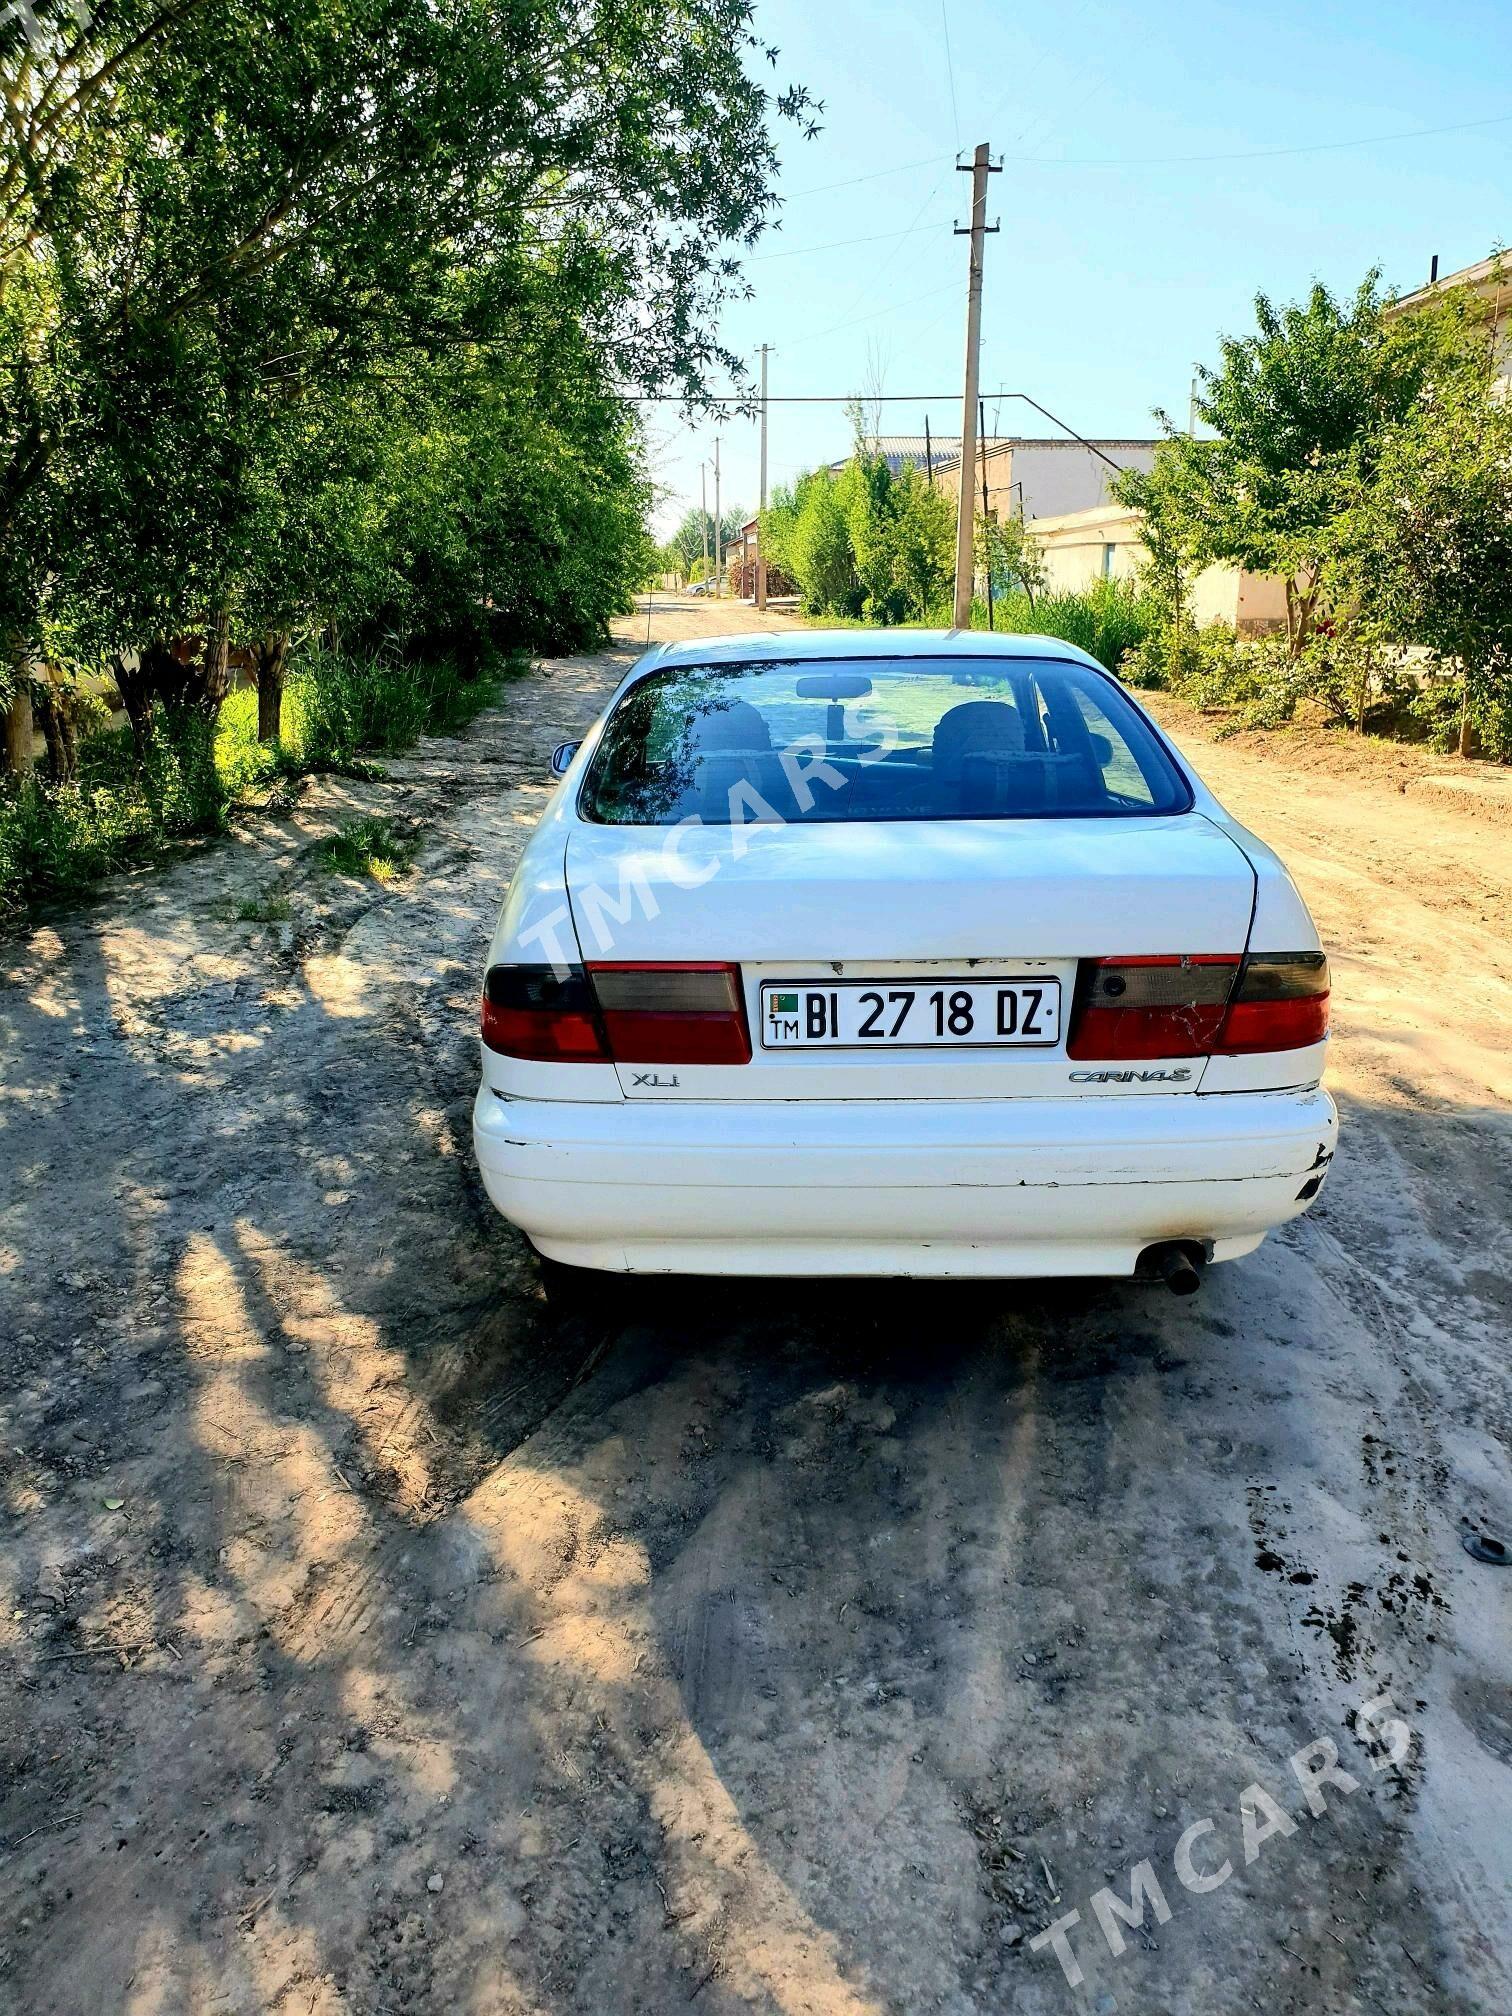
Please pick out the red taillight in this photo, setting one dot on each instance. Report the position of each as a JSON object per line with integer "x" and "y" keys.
{"x": 1198, "y": 1006}
{"x": 1281, "y": 1003}
{"x": 1156, "y": 1007}
{"x": 684, "y": 1012}
{"x": 542, "y": 1012}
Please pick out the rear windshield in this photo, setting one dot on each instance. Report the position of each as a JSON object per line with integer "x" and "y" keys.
{"x": 829, "y": 741}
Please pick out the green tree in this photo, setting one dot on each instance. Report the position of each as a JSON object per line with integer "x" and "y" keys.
{"x": 862, "y": 542}
{"x": 1007, "y": 549}
{"x": 211, "y": 213}
{"x": 697, "y": 533}
{"x": 1174, "y": 543}
{"x": 922, "y": 544}
{"x": 1430, "y": 544}
{"x": 819, "y": 554}
{"x": 1297, "y": 412}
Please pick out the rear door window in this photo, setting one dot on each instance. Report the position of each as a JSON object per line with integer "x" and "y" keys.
{"x": 842, "y": 740}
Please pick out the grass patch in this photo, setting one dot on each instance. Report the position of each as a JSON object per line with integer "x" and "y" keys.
{"x": 337, "y": 709}
{"x": 369, "y": 846}
{"x": 1108, "y": 620}
{"x": 350, "y": 706}
{"x": 264, "y": 910}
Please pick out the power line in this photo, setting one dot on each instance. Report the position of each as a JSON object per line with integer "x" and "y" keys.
{"x": 875, "y": 175}
{"x": 1175, "y": 160}
{"x": 1250, "y": 154}
{"x": 877, "y": 399}
{"x": 835, "y": 244}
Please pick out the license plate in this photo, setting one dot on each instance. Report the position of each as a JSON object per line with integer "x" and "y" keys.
{"x": 886, "y": 1014}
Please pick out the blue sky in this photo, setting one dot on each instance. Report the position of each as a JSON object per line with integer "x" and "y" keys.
{"x": 1116, "y": 266}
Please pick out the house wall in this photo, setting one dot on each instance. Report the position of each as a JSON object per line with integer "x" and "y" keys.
{"x": 1091, "y": 546}
{"x": 1082, "y": 547}
{"x": 999, "y": 467}
{"x": 1045, "y": 479}
{"x": 1062, "y": 476}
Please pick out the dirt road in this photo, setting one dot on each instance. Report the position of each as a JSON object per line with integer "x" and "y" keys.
{"x": 783, "y": 1649}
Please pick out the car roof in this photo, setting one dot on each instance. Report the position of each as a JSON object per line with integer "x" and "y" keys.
{"x": 777, "y": 646}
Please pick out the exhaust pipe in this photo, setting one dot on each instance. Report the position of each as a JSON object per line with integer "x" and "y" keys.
{"x": 1173, "y": 1264}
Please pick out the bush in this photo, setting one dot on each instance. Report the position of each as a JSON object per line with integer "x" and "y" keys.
{"x": 247, "y": 766}
{"x": 1109, "y": 621}
{"x": 346, "y": 705}
{"x": 1350, "y": 678}
{"x": 370, "y": 846}
{"x": 59, "y": 838}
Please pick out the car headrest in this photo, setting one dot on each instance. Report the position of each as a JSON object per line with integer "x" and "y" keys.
{"x": 976, "y": 727}
{"x": 734, "y": 725}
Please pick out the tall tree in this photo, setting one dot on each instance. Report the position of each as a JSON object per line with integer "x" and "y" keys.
{"x": 697, "y": 533}
{"x": 210, "y": 210}
{"x": 1430, "y": 543}
{"x": 1297, "y": 412}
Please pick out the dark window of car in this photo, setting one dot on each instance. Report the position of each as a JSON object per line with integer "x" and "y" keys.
{"x": 825, "y": 741}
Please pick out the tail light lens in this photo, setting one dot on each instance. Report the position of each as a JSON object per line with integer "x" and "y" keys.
{"x": 1199, "y": 1006}
{"x": 682, "y": 1013}
{"x": 543, "y": 1012}
{"x": 1165, "y": 1007}
{"x": 687, "y": 1013}
{"x": 1281, "y": 1003}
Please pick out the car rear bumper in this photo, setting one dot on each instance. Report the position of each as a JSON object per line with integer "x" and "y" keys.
{"x": 1025, "y": 1187}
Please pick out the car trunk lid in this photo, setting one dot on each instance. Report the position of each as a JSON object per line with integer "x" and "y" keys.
{"x": 910, "y": 904}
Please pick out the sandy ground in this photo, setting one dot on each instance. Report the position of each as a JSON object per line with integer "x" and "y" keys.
{"x": 769, "y": 1648}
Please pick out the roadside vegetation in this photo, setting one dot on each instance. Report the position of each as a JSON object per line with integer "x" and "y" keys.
{"x": 372, "y": 846}
{"x": 124, "y": 804}
{"x": 865, "y": 546}
{"x": 305, "y": 432}
{"x": 689, "y": 553}
{"x": 1364, "y": 459}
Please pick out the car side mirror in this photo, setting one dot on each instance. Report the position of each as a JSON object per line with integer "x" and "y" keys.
{"x": 561, "y": 757}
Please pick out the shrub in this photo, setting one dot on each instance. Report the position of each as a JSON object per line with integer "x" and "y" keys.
{"x": 349, "y": 704}
{"x": 60, "y": 838}
{"x": 56, "y": 838}
{"x": 1109, "y": 620}
{"x": 370, "y": 846}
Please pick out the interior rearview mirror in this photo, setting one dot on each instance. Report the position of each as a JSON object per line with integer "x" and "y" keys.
{"x": 561, "y": 757}
{"x": 833, "y": 686}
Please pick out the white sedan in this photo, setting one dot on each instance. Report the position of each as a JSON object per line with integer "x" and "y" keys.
{"x": 896, "y": 953}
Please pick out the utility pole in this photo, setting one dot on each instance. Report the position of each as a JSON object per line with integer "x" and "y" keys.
{"x": 703, "y": 511}
{"x": 760, "y": 538}
{"x": 718, "y": 523}
{"x": 1192, "y": 410}
{"x": 977, "y": 231}
{"x": 928, "y": 453}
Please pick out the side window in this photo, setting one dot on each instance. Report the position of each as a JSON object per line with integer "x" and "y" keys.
{"x": 1121, "y": 775}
